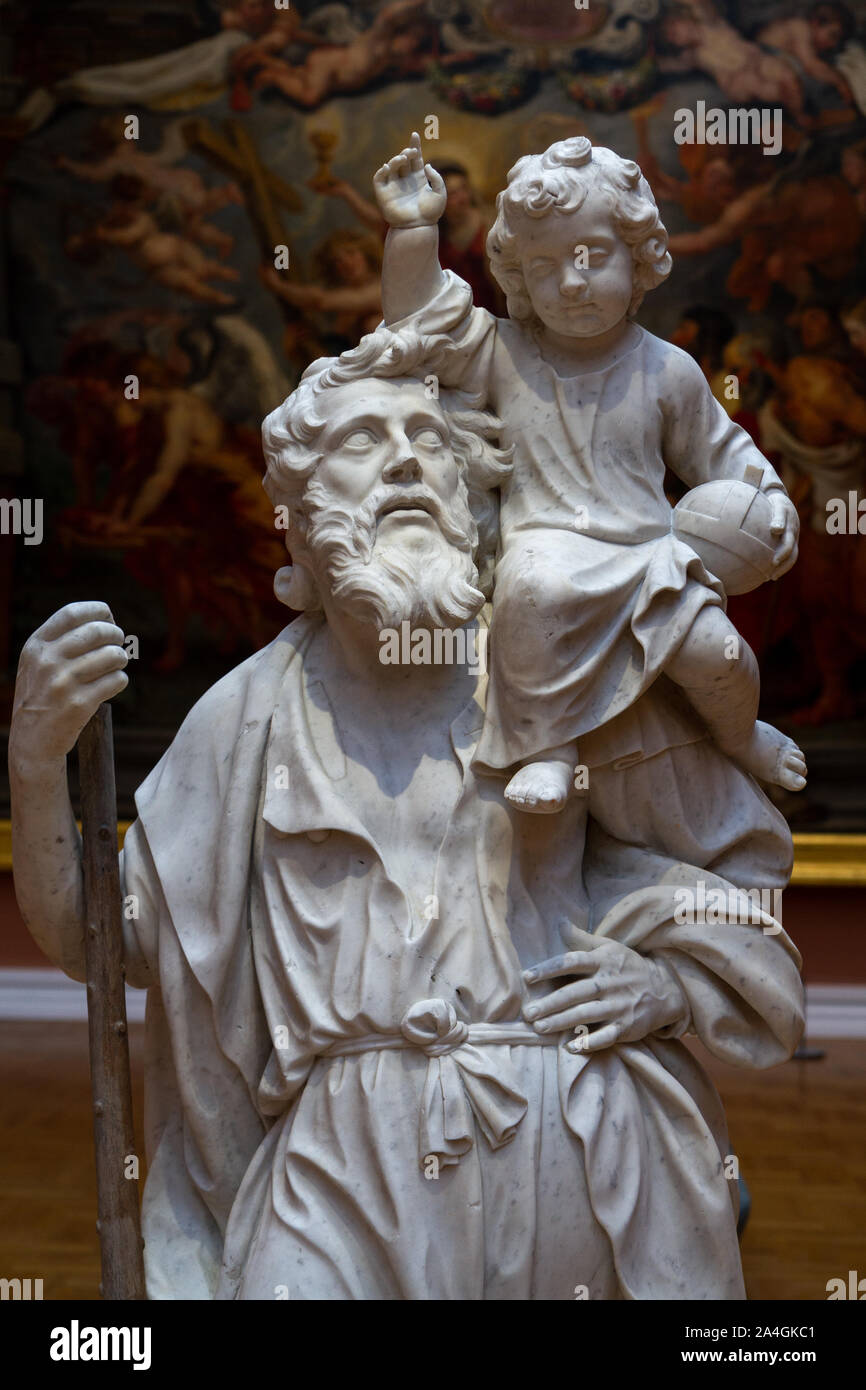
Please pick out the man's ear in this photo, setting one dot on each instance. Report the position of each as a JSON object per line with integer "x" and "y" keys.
{"x": 295, "y": 586}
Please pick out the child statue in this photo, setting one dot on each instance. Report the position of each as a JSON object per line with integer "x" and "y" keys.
{"x": 600, "y": 587}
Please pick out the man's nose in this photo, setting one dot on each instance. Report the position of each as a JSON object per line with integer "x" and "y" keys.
{"x": 402, "y": 466}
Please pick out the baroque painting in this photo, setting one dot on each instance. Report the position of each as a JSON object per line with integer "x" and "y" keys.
{"x": 190, "y": 223}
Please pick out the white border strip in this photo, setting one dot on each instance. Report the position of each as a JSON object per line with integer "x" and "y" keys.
{"x": 50, "y": 996}
{"x": 833, "y": 1011}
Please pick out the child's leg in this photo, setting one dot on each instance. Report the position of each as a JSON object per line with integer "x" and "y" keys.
{"x": 542, "y": 662}
{"x": 718, "y": 672}
{"x": 543, "y": 784}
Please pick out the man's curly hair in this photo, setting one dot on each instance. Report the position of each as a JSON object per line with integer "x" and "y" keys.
{"x": 290, "y": 433}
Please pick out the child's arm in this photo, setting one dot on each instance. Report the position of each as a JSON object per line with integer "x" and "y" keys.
{"x": 93, "y": 173}
{"x": 127, "y": 234}
{"x": 417, "y": 294}
{"x": 701, "y": 443}
{"x": 411, "y": 198}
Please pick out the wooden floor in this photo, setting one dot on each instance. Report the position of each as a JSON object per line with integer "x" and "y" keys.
{"x": 799, "y": 1132}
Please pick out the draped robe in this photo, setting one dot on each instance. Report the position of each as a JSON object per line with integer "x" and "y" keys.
{"x": 270, "y": 933}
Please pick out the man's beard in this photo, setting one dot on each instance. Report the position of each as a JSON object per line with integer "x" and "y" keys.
{"x": 431, "y": 586}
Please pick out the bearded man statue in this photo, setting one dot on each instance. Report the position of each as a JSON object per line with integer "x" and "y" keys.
{"x": 366, "y": 1076}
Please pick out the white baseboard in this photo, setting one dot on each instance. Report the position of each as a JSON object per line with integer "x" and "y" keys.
{"x": 50, "y": 996}
{"x": 836, "y": 1011}
{"x": 832, "y": 1011}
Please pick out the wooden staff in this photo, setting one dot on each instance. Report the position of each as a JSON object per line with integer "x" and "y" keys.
{"x": 119, "y": 1223}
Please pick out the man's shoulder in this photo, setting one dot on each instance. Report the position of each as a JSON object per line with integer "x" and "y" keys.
{"x": 227, "y": 728}
{"x": 254, "y": 683}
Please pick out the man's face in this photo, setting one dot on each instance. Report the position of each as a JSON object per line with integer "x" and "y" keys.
{"x": 578, "y": 270}
{"x": 816, "y": 327}
{"x": 351, "y": 266}
{"x": 717, "y": 181}
{"x": 388, "y": 435}
{"x": 459, "y": 193}
{"x": 685, "y": 334}
{"x": 389, "y": 531}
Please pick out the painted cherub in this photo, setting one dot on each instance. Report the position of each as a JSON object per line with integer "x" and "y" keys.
{"x": 595, "y": 595}
{"x": 704, "y": 40}
{"x": 162, "y": 175}
{"x": 167, "y": 257}
{"x": 812, "y": 40}
{"x": 398, "y": 37}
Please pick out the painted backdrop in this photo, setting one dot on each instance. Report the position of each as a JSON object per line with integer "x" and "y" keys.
{"x": 151, "y": 260}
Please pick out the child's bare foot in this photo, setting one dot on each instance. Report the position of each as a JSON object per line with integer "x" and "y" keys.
{"x": 541, "y": 787}
{"x": 773, "y": 757}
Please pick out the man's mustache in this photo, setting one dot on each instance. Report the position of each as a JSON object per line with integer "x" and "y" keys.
{"x": 330, "y": 521}
{"x": 409, "y": 498}
{"x": 453, "y": 527}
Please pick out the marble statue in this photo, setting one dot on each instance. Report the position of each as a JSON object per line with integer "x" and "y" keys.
{"x": 596, "y": 594}
{"x": 422, "y": 939}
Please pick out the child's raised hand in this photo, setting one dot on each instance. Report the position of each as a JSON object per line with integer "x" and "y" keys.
{"x": 409, "y": 192}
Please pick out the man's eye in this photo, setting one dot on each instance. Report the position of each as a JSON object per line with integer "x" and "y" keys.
{"x": 597, "y": 254}
{"x": 428, "y": 437}
{"x": 360, "y": 439}
{"x": 541, "y": 267}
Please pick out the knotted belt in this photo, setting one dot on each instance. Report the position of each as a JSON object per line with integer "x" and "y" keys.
{"x": 460, "y": 1081}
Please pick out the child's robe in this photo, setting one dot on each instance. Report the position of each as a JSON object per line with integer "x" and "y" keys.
{"x": 594, "y": 594}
